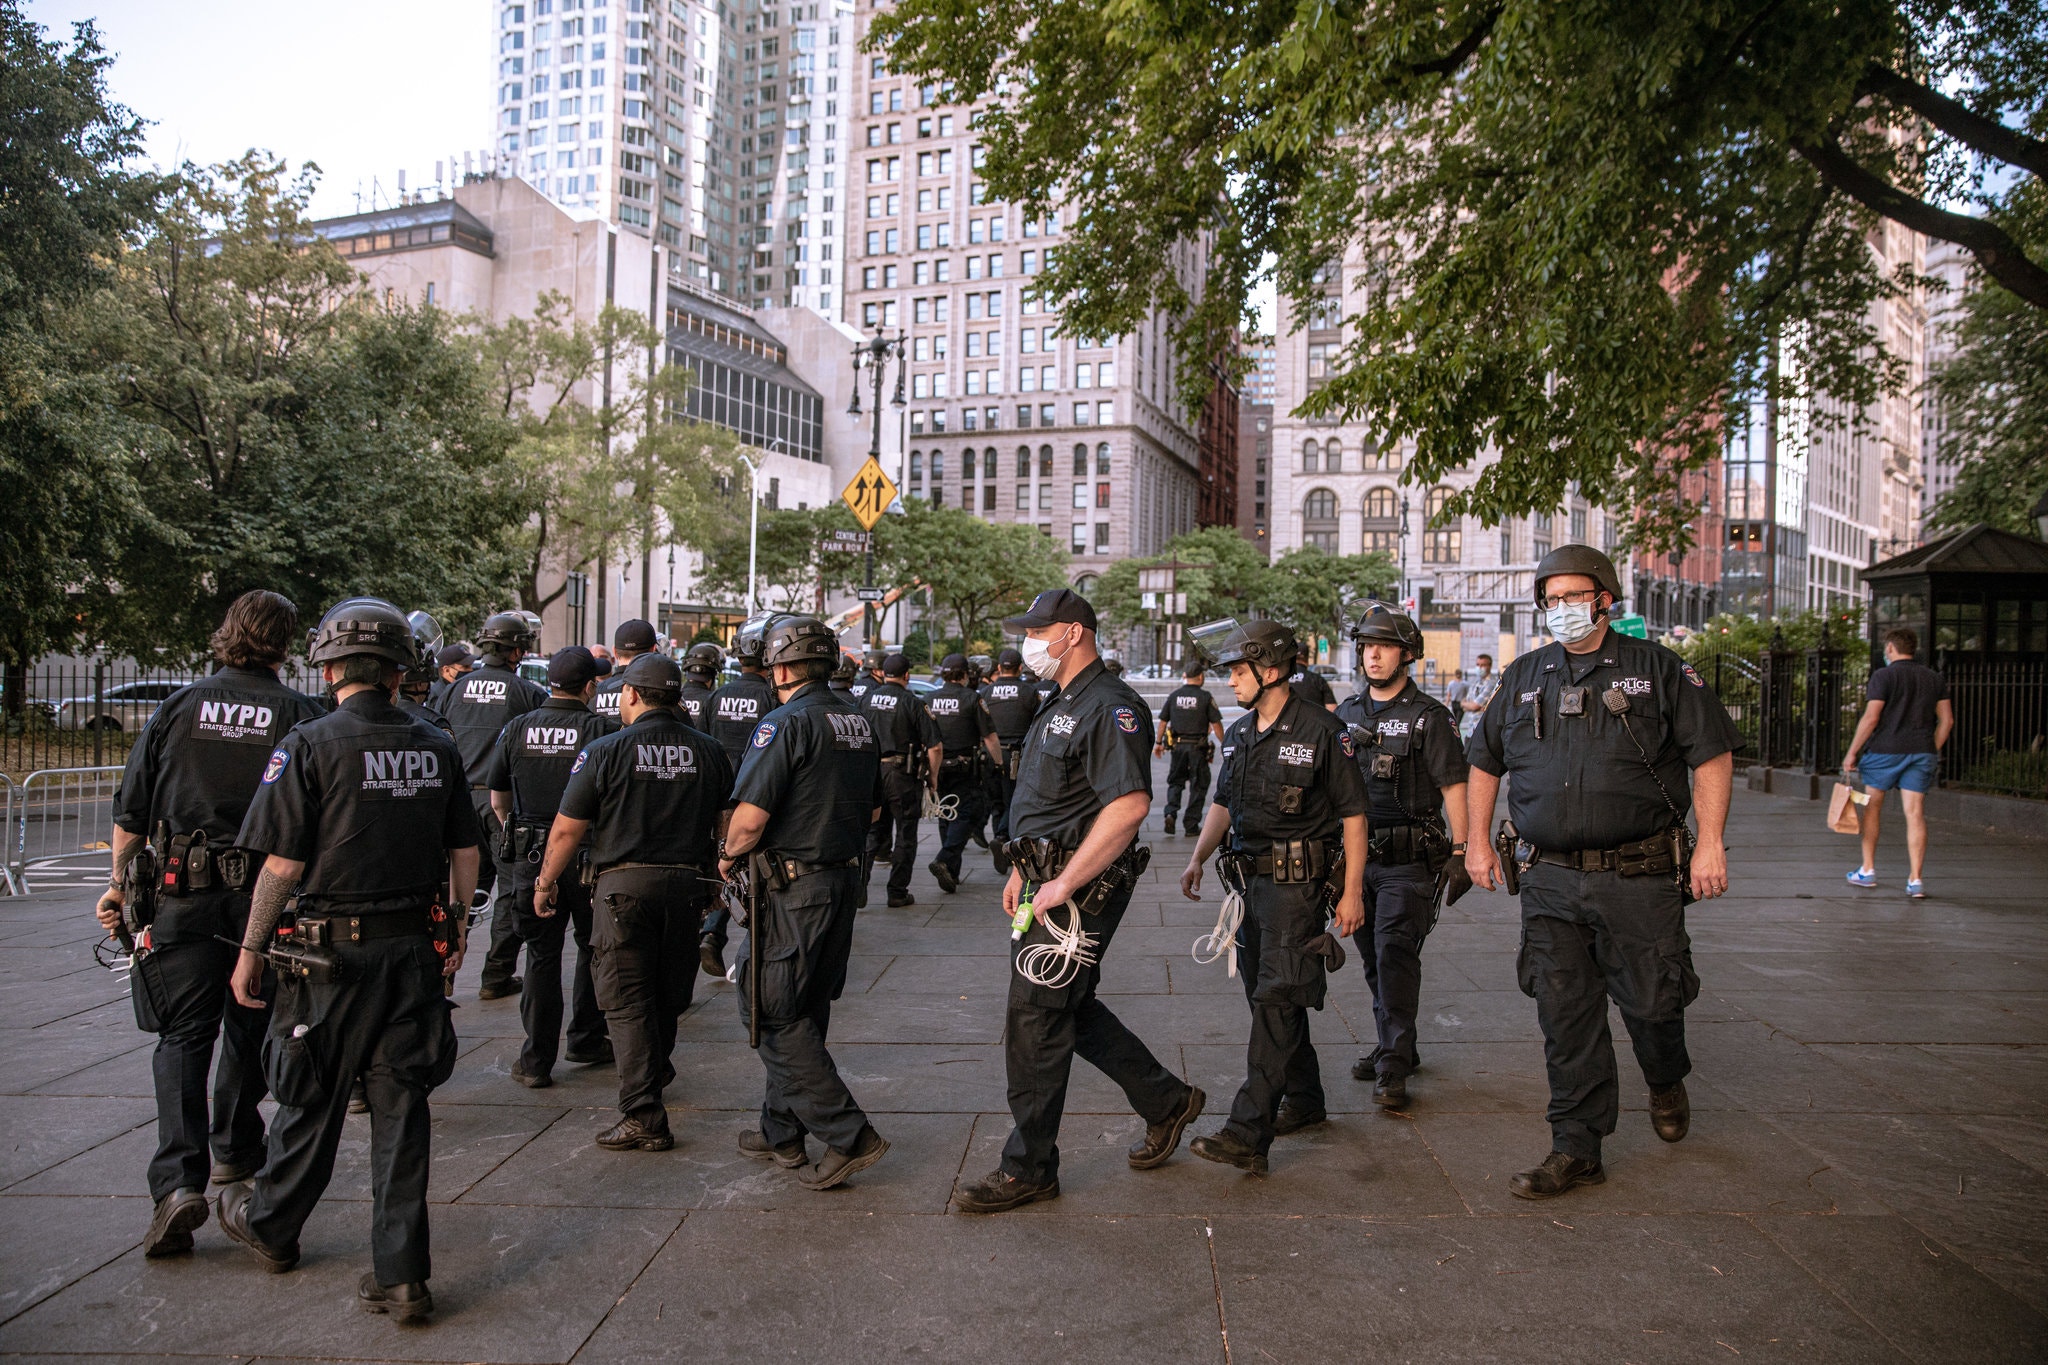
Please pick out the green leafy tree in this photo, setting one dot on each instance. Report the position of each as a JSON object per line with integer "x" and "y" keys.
{"x": 791, "y": 568}
{"x": 1589, "y": 225}
{"x": 1314, "y": 592}
{"x": 978, "y": 571}
{"x": 1231, "y": 576}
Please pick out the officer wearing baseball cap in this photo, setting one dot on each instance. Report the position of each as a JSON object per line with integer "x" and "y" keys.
{"x": 1012, "y": 703}
{"x": 651, "y": 800}
{"x": 1600, "y": 731}
{"x": 362, "y": 813}
{"x": 527, "y": 775}
{"x": 1414, "y": 768}
{"x": 1190, "y": 725}
{"x": 807, "y": 789}
{"x": 630, "y": 640}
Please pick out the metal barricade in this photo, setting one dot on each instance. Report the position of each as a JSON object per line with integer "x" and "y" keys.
{"x": 10, "y": 882}
{"x": 58, "y": 811}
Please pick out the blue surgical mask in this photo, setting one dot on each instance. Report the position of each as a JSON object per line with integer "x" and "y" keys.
{"x": 1570, "y": 622}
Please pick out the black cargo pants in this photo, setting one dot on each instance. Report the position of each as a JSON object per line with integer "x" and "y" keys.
{"x": 1187, "y": 766}
{"x": 1283, "y": 980}
{"x": 894, "y": 836}
{"x": 540, "y": 1002}
{"x": 1399, "y": 899}
{"x": 643, "y": 964}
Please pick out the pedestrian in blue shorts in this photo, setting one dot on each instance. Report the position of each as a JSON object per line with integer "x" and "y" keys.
{"x": 1905, "y": 722}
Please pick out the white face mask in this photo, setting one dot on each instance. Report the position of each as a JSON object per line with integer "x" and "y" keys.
{"x": 1570, "y": 622}
{"x": 1038, "y": 657}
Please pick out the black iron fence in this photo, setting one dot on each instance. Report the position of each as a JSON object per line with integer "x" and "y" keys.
{"x": 83, "y": 713}
{"x": 2000, "y": 741}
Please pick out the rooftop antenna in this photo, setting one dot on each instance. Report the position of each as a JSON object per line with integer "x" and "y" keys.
{"x": 401, "y": 185}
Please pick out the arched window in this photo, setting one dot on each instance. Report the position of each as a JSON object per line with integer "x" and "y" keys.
{"x": 1023, "y": 462}
{"x": 988, "y": 463}
{"x": 938, "y": 465}
{"x": 1440, "y": 544}
{"x": 916, "y": 464}
{"x": 1080, "y": 461}
{"x": 1045, "y": 462}
{"x": 1333, "y": 458}
{"x": 1102, "y": 458}
{"x": 1382, "y": 521}
{"x": 1319, "y": 520}
{"x": 1311, "y": 457}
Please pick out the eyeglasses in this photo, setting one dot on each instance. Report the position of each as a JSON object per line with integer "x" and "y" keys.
{"x": 1572, "y": 599}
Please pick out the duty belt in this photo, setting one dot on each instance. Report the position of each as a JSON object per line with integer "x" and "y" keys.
{"x": 1396, "y": 845}
{"x": 785, "y": 870}
{"x": 1658, "y": 855}
{"x": 609, "y": 868}
{"x": 1288, "y": 861}
{"x": 363, "y": 928}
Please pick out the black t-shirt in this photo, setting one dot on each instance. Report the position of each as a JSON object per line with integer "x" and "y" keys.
{"x": 959, "y": 717}
{"x": 693, "y": 708}
{"x": 1306, "y": 750}
{"x": 1312, "y": 687}
{"x": 477, "y": 705}
{"x": 814, "y": 767}
{"x": 1092, "y": 745}
{"x": 1909, "y": 690}
{"x": 535, "y": 753}
{"x": 1582, "y": 782}
{"x": 902, "y": 725}
{"x": 652, "y": 792}
{"x": 370, "y": 800}
{"x": 1418, "y": 732}
{"x": 735, "y": 709}
{"x": 198, "y": 761}
{"x": 1011, "y": 703}
{"x": 1189, "y": 711}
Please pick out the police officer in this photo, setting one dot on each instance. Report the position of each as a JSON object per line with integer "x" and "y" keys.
{"x": 843, "y": 674}
{"x": 1290, "y": 800}
{"x": 870, "y": 675}
{"x": 629, "y": 641}
{"x": 1012, "y": 703}
{"x": 450, "y": 663}
{"x": 910, "y": 765}
{"x": 1599, "y": 730}
{"x": 1311, "y": 686}
{"x": 415, "y": 693}
{"x": 967, "y": 741}
{"x": 477, "y": 705}
{"x": 1113, "y": 663}
{"x": 187, "y": 785}
{"x": 527, "y": 774}
{"x": 1083, "y": 788}
{"x": 1189, "y": 726}
{"x": 735, "y": 709}
{"x": 1413, "y": 763}
{"x": 651, "y": 798}
{"x": 807, "y": 789}
{"x": 364, "y": 812}
{"x": 701, "y": 666}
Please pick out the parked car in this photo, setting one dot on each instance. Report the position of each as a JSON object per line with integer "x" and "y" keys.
{"x": 124, "y": 706}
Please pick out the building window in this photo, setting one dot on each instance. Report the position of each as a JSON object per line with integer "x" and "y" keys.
{"x": 1102, "y": 495}
{"x": 1319, "y": 520}
{"x": 1080, "y": 541}
{"x": 1443, "y": 545}
{"x": 1333, "y": 458}
{"x": 1382, "y": 522}
{"x": 1080, "y": 496}
{"x": 1311, "y": 457}
{"x": 1080, "y": 461}
{"x": 1102, "y": 537}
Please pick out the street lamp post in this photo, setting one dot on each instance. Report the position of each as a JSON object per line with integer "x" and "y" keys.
{"x": 873, "y": 355}
{"x": 753, "y": 524}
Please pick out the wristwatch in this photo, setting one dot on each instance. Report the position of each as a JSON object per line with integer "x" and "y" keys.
{"x": 1457, "y": 848}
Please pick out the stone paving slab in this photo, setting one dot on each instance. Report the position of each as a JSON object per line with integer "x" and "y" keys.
{"x": 1866, "y": 1180}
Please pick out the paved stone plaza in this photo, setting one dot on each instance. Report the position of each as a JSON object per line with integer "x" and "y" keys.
{"x": 1866, "y": 1179}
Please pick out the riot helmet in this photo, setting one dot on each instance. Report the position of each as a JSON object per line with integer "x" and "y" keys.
{"x": 506, "y": 631}
{"x": 364, "y": 625}
{"x": 1578, "y": 559}
{"x": 749, "y": 642}
{"x": 795, "y": 639}
{"x": 703, "y": 660}
{"x": 1380, "y": 623}
{"x": 1262, "y": 644}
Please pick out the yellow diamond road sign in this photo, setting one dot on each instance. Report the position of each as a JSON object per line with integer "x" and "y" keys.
{"x": 869, "y": 495}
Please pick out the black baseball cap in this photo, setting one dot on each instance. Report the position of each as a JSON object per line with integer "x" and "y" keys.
{"x": 1009, "y": 658}
{"x": 635, "y": 634}
{"x": 1056, "y": 606}
{"x": 452, "y": 654}
{"x": 572, "y": 668}
{"x": 656, "y": 671}
{"x": 953, "y": 663}
{"x": 896, "y": 666}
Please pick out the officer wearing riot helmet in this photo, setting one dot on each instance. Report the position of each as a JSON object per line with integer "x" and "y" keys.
{"x": 1012, "y": 702}
{"x": 417, "y": 688}
{"x": 651, "y": 800}
{"x": 910, "y": 766}
{"x": 1599, "y": 730}
{"x": 869, "y": 676}
{"x": 477, "y": 706}
{"x": 527, "y": 775}
{"x": 188, "y": 782}
{"x": 1083, "y": 788}
{"x": 1311, "y": 686}
{"x": 701, "y": 666}
{"x": 734, "y": 710}
{"x": 967, "y": 742}
{"x": 363, "y": 812}
{"x": 1290, "y": 801}
{"x": 630, "y": 639}
{"x": 843, "y": 674}
{"x": 1190, "y": 726}
{"x": 807, "y": 789}
{"x": 1413, "y": 763}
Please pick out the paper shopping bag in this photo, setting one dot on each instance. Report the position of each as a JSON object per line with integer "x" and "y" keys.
{"x": 1842, "y": 804}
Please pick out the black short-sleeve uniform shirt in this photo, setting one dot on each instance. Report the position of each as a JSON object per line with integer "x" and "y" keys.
{"x": 1189, "y": 711}
{"x": 813, "y": 765}
{"x": 694, "y": 704}
{"x": 1305, "y": 760}
{"x": 197, "y": 763}
{"x": 1092, "y": 745}
{"x": 370, "y": 800}
{"x": 959, "y": 717}
{"x": 537, "y": 750}
{"x": 1417, "y": 732}
{"x": 1579, "y": 780}
{"x": 1011, "y": 704}
{"x": 477, "y": 705}
{"x": 1312, "y": 687}
{"x": 735, "y": 709}
{"x": 652, "y": 792}
{"x": 902, "y": 725}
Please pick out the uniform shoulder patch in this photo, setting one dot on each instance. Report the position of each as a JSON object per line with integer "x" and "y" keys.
{"x": 582, "y": 757}
{"x": 1347, "y": 744}
{"x": 1127, "y": 720}
{"x": 275, "y": 768}
{"x": 1691, "y": 675}
{"x": 764, "y": 734}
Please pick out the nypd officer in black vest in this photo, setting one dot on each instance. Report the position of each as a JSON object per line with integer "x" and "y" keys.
{"x": 1308, "y": 684}
{"x": 1012, "y": 703}
{"x": 477, "y": 706}
{"x": 651, "y": 799}
{"x": 1190, "y": 726}
{"x": 1082, "y": 792}
{"x": 1414, "y": 768}
{"x": 188, "y": 783}
{"x": 967, "y": 741}
{"x": 527, "y": 776}
{"x": 416, "y": 691}
{"x": 701, "y": 666}
{"x": 1600, "y": 730}
{"x": 1290, "y": 801}
{"x": 843, "y": 674}
{"x": 809, "y": 786}
{"x": 910, "y": 766}
{"x": 364, "y": 813}
{"x": 630, "y": 640}
{"x": 870, "y": 676}
{"x": 734, "y": 710}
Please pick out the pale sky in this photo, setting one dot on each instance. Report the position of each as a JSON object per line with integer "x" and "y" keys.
{"x": 364, "y": 89}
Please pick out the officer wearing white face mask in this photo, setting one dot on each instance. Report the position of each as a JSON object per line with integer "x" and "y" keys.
{"x": 1600, "y": 730}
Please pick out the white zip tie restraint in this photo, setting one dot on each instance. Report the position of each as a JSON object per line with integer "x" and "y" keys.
{"x": 1052, "y": 965}
{"x": 938, "y": 807}
{"x": 1221, "y": 941}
